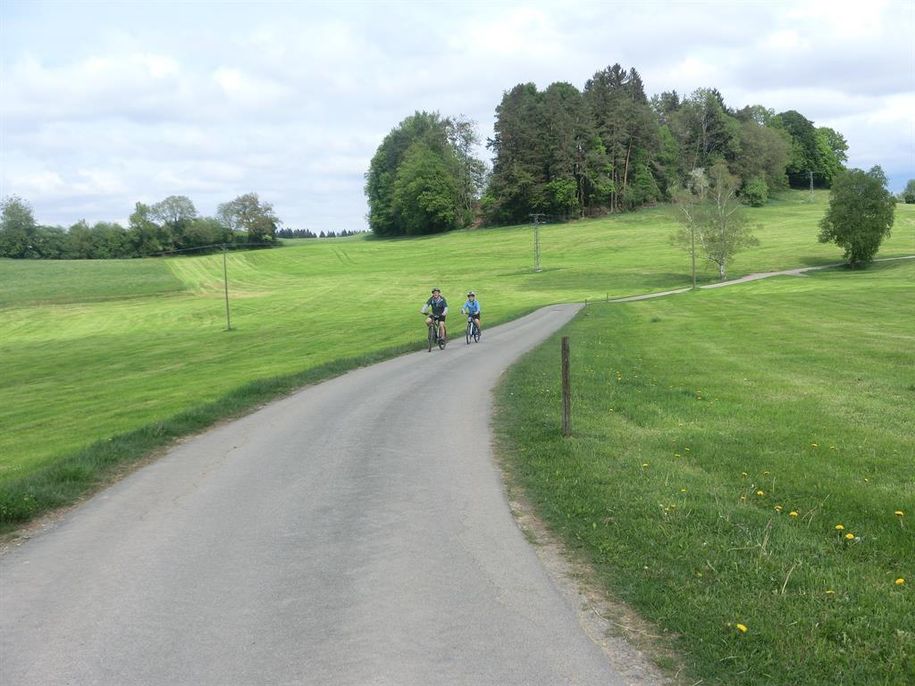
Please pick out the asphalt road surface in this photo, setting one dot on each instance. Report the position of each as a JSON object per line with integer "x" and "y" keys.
{"x": 356, "y": 532}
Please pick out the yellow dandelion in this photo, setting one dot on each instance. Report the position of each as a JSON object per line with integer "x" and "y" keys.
{"x": 742, "y": 628}
{"x": 778, "y": 508}
{"x": 743, "y": 498}
{"x": 760, "y": 493}
{"x": 793, "y": 513}
{"x": 765, "y": 473}
{"x": 900, "y": 513}
{"x": 686, "y": 449}
{"x": 676, "y": 454}
{"x": 900, "y": 581}
{"x": 849, "y": 536}
{"x": 743, "y": 474}
{"x": 839, "y": 527}
{"x": 814, "y": 445}
{"x": 829, "y": 591}
{"x": 644, "y": 464}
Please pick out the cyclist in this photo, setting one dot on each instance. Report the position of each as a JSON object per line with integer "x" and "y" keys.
{"x": 436, "y": 307}
{"x": 472, "y": 309}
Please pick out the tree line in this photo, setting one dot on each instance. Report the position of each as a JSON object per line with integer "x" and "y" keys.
{"x": 169, "y": 226}
{"x": 308, "y": 233}
{"x": 570, "y": 153}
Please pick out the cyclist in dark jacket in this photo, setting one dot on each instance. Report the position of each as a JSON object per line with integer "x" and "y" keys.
{"x": 436, "y": 307}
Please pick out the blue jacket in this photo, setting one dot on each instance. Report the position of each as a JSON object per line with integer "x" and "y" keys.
{"x": 472, "y": 307}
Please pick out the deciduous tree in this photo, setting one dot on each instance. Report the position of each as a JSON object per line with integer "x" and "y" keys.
{"x": 18, "y": 231}
{"x": 426, "y": 192}
{"x": 174, "y": 213}
{"x": 250, "y": 214}
{"x": 714, "y": 223}
{"x": 908, "y": 195}
{"x": 398, "y": 198}
{"x": 860, "y": 214}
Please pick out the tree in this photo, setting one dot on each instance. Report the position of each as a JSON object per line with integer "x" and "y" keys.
{"x": 713, "y": 221}
{"x": 175, "y": 214}
{"x": 398, "y": 199}
{"x": 817, "y": 154}
{"x": 471, "y": 176}
{"x": 516, "y": 186}
{"x": 206, "y": 231}
{"x": 908, "y": 195}
{"x": 249, "y": 214}
{"x": 104, "y": 240}
{"x": 18, "y": 231}
{"x": 832, "y": 148}
{"x": 426, "y": 193}
{"x": 763, "y": 156}
{"x": 705, "y": 130}
{"x": 860, "y": 214}
{"x": 629, "y": 133}
{"x": 147, "y": 237}
{"x": 53, "y": 243}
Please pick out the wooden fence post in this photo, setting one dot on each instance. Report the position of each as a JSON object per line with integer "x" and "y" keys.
{"x": 566, "y": 390}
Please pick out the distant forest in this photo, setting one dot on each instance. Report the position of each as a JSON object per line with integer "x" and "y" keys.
{"x": 567, "y": 153}
{"x": 170, "y": 226}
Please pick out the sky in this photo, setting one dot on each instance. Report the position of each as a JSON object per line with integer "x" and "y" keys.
{"x": 106, "y": 104}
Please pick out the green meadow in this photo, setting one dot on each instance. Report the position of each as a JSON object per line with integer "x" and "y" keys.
{"x": 741, "y": 470}
{"x": 800, "y": 388}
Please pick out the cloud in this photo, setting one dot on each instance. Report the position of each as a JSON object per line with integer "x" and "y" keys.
{"x": 291, "y": 100}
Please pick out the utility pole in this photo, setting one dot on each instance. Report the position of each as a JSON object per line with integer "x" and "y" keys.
{"x": 536, "y": 217}
{"x": 225, "y": 280}
{"x": 810, "y": 174}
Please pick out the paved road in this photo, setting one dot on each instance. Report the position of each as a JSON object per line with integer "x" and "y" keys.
{"x": 354, "y": 533}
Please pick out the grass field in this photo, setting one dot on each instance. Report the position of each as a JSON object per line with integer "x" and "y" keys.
{"x": 799, "y": 388}
{"x": 96, "y": 349}
{"x": 721, "y": 439}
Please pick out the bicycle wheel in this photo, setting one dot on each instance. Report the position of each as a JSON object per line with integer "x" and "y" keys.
{"x": 442, "y": 342}
{"x": 469, "y": 333}
{"x": 476, "y": 333}
{"x": 431, "y": 336}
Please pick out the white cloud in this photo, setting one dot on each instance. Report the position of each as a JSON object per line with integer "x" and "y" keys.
{"x": 291, "y": 100}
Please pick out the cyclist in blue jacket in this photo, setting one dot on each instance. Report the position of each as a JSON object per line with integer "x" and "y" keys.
{"x": 436, "y": 307}
{"x": 472, "y": 309}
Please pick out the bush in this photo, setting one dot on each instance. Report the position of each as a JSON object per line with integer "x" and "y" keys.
{"x": 755, "y": 192}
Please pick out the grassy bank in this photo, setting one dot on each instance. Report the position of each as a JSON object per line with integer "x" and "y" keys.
{"x": 742, "y": 458}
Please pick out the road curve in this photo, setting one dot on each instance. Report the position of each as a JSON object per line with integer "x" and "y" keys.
{"x": 355, "y": 532}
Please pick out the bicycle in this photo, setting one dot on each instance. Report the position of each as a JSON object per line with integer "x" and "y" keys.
{"x": 473, "y": 331}
{"x": 434, "y": 338}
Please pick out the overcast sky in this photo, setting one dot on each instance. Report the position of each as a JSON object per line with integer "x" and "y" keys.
{"x": 104, "y": 104}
